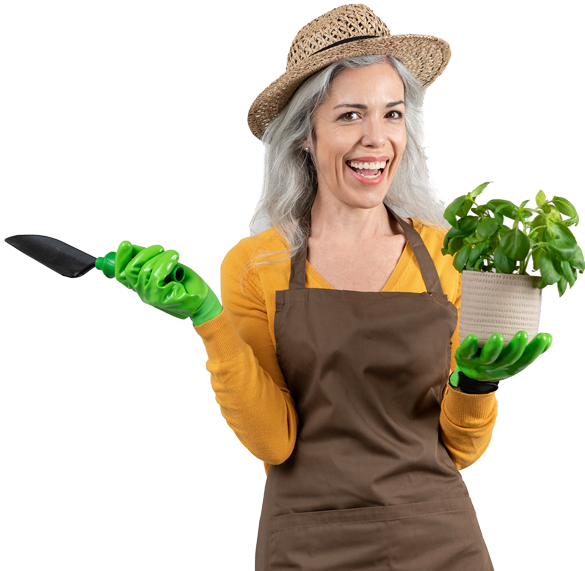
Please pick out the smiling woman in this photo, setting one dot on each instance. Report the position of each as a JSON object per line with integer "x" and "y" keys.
{"x": 340, "y": 313}
{"x": 338, "y": 327}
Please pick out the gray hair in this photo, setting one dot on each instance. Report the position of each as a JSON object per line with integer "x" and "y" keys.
{"x": 290, "y": 176}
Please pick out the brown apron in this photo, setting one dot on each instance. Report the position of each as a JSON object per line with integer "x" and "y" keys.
{"x": 369, "y": 485}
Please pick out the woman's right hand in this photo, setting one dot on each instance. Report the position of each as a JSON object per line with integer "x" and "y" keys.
{"x": 145, "y": 270}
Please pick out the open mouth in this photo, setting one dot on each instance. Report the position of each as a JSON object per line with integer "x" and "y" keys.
{"x": 360, "y": 171}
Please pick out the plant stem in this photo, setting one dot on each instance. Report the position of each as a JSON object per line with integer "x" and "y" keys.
{"x": 524, "y": 264}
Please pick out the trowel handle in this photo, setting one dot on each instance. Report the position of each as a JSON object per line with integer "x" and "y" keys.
{"x": 107, "y": 265}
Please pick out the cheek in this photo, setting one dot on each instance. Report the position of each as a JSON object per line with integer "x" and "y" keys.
{"x": 403, "y": 138}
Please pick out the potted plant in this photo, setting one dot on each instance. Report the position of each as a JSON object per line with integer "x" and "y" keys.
{"x": 497, "y": 293}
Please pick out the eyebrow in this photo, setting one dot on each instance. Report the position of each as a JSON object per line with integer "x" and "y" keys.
{"x": 360, "y": 106}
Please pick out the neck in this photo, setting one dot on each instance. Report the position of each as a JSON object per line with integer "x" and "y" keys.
{"x": 334, "y": 221}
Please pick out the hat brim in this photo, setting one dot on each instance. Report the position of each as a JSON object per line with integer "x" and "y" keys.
{"x": 424, "y": 56}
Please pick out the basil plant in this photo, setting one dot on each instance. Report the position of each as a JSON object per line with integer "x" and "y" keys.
{"x": 482, "y": 242}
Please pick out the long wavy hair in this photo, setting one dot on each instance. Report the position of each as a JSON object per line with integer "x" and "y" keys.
{"x": 290, "y": 176}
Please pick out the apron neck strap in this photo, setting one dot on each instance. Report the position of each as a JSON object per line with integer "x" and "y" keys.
{"x": 423, "y": 258}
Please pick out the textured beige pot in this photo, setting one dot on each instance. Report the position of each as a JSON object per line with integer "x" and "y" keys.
{"x": 498, "y": 303}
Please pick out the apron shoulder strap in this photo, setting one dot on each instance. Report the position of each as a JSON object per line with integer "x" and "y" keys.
{"x": 423, "y": 258}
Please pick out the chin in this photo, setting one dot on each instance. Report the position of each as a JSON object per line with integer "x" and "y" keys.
{"x": 366, "y": 200}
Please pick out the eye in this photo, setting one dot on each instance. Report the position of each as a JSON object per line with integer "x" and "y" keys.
{"x": 398, "y": 113}
{"x": 348, "y": 116}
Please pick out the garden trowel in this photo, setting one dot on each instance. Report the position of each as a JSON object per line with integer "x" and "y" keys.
{"x": 69, "y": 261}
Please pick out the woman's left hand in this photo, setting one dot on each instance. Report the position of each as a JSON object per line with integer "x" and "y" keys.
{"x": 494, "y": 362}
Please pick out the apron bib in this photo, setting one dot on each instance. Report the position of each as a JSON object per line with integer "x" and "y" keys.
{"x": 369, "y": 485}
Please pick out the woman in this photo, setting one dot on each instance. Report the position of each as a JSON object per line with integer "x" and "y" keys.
{"x": 331, "y": 354}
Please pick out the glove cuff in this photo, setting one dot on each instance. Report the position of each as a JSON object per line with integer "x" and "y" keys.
{"x": 210, "y": 308}
{"x": 474, "y": 387}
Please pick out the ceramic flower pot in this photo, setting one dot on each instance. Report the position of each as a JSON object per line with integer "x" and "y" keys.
{"x": 498, "y": 303}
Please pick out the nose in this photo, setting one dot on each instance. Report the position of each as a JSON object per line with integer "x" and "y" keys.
{"x": 373, "y": 133}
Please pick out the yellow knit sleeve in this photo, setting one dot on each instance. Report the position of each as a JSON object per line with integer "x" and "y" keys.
{"x": 466, "y": 420}
{"x": 245, "y": 375}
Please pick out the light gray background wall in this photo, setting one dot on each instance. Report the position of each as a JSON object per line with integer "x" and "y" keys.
{"x": 127, "y": 120}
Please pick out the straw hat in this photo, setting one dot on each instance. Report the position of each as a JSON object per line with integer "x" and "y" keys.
{"x": 348, "y": 31}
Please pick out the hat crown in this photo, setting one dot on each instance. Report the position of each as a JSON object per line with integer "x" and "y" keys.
{"x": 348, "y": 31}
{"x": 345, "y": 23}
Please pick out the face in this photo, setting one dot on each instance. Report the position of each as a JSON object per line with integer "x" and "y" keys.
{"x": 360, "y": 135}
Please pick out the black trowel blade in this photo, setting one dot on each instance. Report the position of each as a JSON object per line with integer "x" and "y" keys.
{"x": 60, "y": 257}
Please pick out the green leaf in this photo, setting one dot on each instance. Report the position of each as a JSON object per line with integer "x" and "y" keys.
{"x": 487, "y": 227}
{"x": 464, "y": 208}
{"x": 564, "y": 206}
{"x": 475, "y": 193}
{"x": 562, "y": 286}
{"x": 478, "y": 251}
{"x": 554, "y": 215}
{"x": 480, "y": 210}
{"x": 577, "y": 260}
{"x": 468, "y": 224}
{"x": 523, "y": 204}
{"x": 461, "y": 258}
{"x": 453, "y": 232}
{"x": 495, "y": 203}
{"x": 539, "y": 220}
{"x": 547, "y": 269}
{"x": 455, "y": 245}
{"x": 556, "y": 262}
{"x": 535, "y": 257}
{"x": 540, "y": 198}
{"x": 509, "y": 211}
{"x": 504, "y": 265}
{"x": 504, "y": 207}
{"x": 568, "y": 272}
{"x": 571, "y": 221}
{"x": 560, "y": 239}
{"x": 515, "y": 244}
{"x": 450, "y": 211}
{"x": 444, "y": 251}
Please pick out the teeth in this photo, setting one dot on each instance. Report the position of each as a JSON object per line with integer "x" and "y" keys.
{"x": 378, "y": 165}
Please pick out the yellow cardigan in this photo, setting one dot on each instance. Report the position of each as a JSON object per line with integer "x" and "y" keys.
{"x": 245, "y": 374}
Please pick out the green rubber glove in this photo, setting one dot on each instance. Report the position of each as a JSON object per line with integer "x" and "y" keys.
{"x": 144, "y": 270}
{"x": 494, "y": 362}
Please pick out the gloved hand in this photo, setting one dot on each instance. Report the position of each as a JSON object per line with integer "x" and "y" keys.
{"x": 494, "y": 362}
{"x": 144, "y": 270}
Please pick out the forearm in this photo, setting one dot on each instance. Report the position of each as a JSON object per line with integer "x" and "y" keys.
{"x": 466, "y": 424}
{"x": 257, "y": 407}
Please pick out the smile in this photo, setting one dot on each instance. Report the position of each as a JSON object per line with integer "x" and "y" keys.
{"x": 369, "y": 179}
{"x": 368, "y": 171}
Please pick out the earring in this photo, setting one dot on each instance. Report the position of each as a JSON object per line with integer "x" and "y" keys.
{"x": 307, "y": 149}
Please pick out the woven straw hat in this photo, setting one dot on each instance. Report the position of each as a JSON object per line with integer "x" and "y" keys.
{"x": 348, "y": 31}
